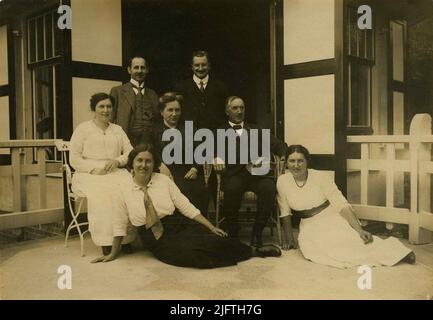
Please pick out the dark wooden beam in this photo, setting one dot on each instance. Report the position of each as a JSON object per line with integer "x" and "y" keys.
{"x": 89, "y": 70}
{"x": 4, "y": 90}
{"x": 341, "y": 95}
{"x": 309, "y": 69}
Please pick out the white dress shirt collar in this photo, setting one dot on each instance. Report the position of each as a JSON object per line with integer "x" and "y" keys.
{"x": 136, "y": 84}
{"x": 135, "y": 186}
{"x": 239, "y": 131}
{"x": 234, "y": 124}
{"x": 197, "y": 81}
{"x": 169, "y": 126}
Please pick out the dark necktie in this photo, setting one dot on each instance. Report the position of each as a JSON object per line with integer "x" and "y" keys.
{"x": 202, "y": 86}
{"x": 237, "y": 127}
{"x": 152, "y": 220}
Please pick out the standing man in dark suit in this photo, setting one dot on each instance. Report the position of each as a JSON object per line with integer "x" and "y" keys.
{"x": 136, "y": 106}
{"x": 204, "y": 96}
{"x": 238, "y": 177}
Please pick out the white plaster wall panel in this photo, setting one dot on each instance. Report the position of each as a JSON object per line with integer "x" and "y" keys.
{"x": 309, "y": 113}
{"x": 97, "y": 31}
{"x": 4, "y": 75}
{"x": 308, "y": 30}
{"x": 82, "y": 90}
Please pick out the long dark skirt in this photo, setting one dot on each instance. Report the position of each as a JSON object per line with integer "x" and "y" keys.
{"x": 186, "y": 243}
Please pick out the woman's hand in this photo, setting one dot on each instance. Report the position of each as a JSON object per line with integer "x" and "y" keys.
{"x": 218, "y": 231}
{"x": 218, "y": 165}
{"x": 191, "y": 174}
{"x": 111, "y": 165}
{"x": 108, "y": 258}
{"x": 365, "y": 236}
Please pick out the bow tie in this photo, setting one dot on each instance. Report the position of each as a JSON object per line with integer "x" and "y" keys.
{"x": 237, "y": 127}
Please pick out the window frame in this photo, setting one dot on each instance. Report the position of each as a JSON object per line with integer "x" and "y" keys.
{"x": 54, "y": 61}
{"x": 397, "y": 86}
{"x": 55, "y": 45}
{"x": 367, "y": 59}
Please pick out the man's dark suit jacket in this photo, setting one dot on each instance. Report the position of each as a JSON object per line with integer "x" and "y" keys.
{"x": 124, "y": 104}
{"x": 209, "y": 114}
{"x": 277, "y": 147}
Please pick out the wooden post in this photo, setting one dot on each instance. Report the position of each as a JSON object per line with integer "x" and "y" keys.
{"x": 364, "y": 173}
{"x": 390, "y": 158}
{"x": 42, "y": 178}
{"x": 17, "y": 180}
{"x": 420, "y": 188}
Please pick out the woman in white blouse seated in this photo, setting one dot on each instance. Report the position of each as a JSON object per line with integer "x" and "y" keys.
{"x": 329, "y": 232}
{"x": 169, "y": 225}
{"x": 98, "y": 150}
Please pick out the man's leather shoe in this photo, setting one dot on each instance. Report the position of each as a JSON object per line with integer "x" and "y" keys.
{"x": 268, "y": 250}
{"x": 126, "y": 248}
{"x": 256, "y": 242}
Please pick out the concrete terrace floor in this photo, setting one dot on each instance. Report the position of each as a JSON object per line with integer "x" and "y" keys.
{"x": 28, "y": 270}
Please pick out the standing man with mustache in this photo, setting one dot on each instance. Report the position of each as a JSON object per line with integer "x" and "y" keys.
{"x": 136, "y": 106}
{"x": 204, "y": 96}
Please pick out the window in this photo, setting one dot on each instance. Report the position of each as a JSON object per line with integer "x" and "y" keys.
{"x": 44, "y": 56}
{"x": 44, "y": 102}
{"x": 360, "y": 55}
{"x": 359, "y": 94}
{"x": 397, "y": 86}
{"x": 43, "y": 37}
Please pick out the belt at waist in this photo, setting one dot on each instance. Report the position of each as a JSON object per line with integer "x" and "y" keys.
{"x": 304, "y": 214}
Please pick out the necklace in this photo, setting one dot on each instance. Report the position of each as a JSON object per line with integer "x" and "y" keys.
{"x": 102, "y": 126}
{"x": 301, "y": 184}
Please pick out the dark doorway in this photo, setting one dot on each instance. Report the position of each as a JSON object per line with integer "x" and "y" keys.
{"x": 235, "y": 33}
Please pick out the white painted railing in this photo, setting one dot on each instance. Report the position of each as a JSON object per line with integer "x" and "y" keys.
{"x": 418, "y": 217}
{"x": 22, "y": 165}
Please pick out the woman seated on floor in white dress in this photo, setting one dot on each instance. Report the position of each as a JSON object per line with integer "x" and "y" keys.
{"x": 329, "y": 232}
{"x": 169, "y": 225}
{"x": 98, "y": 150}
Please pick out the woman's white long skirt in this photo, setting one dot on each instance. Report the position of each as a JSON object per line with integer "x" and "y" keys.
{"x": 100, "y": 191}
{"x": 327, "y": 238}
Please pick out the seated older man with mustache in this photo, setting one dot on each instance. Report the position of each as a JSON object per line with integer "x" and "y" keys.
{"x": 239, "y": 177}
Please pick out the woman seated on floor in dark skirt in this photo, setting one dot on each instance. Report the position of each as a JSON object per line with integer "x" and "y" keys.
{"x": 169, "y": 225}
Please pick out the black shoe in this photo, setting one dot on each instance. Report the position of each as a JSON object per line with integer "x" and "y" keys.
{"x": 106, "y": 250}
{"x": 126, "y": 248}
{"x": 256, "y": 242}
{"x": 268, "y": 250}
{"x": 410, "y": 258}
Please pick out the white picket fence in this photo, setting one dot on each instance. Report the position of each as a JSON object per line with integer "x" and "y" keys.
{"x": 418, "y": 217}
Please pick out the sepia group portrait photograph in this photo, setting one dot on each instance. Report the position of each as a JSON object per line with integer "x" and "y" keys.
{"x": 235, "y": 151}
